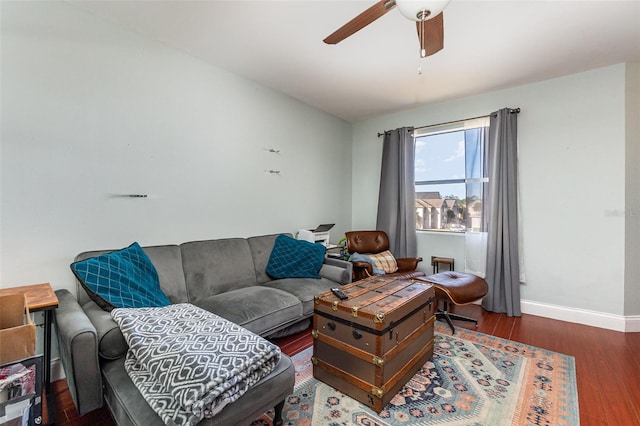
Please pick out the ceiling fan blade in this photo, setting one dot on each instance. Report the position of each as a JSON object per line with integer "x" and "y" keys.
{"x": 431, "y": 36}
{"x": 361, "y": 21}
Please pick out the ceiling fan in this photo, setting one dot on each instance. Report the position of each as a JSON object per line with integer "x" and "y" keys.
{"x": 427, "y": 14}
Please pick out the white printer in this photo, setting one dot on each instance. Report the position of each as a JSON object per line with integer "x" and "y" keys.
{"x": 318, "y": 235}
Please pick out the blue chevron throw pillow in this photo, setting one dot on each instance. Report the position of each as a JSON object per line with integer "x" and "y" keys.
{"x": 291, "y": 258}
{"x": 121, "y": 279}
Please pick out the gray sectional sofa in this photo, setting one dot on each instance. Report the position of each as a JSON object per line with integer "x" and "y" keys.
{"x": 224, "y": 276}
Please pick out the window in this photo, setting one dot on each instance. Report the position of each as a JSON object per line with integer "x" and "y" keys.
{"x": 451, "y": 176}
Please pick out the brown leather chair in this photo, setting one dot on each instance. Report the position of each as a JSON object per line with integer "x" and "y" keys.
{"x": 374, "y": 242}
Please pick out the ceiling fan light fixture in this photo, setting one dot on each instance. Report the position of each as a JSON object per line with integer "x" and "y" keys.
{"x": 421, "y": 10}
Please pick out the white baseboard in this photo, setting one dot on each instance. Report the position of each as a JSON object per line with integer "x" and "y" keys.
{"x": 632, "y": 324}
{"x": 622, "y": 323}
{"x": 57, "y": 372}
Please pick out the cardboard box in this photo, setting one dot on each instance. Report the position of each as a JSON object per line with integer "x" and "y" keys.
{"x": 17, "y": 330}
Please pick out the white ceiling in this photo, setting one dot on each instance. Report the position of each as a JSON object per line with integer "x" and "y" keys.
{"x": 489, "y": 45}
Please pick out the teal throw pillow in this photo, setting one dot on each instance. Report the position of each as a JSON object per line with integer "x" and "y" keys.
{"x": 291, "y": 258}
{"x": 121, "y": 279}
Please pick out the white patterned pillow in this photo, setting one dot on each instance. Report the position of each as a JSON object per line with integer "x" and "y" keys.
{"x": 385, "y": 261}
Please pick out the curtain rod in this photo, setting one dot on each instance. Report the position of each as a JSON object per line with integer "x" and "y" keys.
{"x": 511, "y": 111}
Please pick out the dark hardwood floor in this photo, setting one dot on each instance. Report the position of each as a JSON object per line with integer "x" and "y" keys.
{"x": 607, "y": 366}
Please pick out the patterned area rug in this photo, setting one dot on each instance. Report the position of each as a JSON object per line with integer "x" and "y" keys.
{"x": 472, "y": 379}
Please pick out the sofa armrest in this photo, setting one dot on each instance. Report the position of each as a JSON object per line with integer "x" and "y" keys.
{"x": 78, "y": 347}
{"x": 337, "y": 270}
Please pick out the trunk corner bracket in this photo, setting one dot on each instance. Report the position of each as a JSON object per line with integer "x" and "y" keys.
{"x": 377, "y": 361}
{"x": 377, "y": 392}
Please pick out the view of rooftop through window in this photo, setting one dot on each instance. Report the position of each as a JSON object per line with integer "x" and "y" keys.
{"x": 450, "y": 178}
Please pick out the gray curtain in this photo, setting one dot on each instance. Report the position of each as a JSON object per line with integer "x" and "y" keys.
{"x": 397, "y": 197}
{"x": 503, "y": 269}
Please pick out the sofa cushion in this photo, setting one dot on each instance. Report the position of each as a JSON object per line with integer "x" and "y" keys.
{"x": 304, "y": 289}
{"x": 123, "y": 278}
{"x": 261, "y": 247}
{"x": 291, "y": 258}
{"x": 168, "y": 262}
{"x": 258, "y": 309}
{"x": 216, "y": 266}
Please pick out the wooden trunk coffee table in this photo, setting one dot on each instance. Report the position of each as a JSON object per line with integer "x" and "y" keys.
{"x": 369, "y": 345}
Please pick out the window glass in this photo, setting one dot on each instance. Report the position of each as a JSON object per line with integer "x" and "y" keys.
{"x": 451, "y": 177}
{"x": 440, "y": 156}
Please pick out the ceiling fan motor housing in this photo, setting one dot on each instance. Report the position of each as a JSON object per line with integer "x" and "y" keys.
{"x": 421, "y": 10}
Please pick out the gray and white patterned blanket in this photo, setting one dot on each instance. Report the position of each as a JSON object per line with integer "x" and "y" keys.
{"x": 189, "y": 363}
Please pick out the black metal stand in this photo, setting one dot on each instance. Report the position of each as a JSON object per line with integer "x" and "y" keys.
{"x": 448, "y": 316}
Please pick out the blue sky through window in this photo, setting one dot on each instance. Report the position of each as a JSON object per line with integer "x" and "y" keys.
{"x": 438, "y": 157}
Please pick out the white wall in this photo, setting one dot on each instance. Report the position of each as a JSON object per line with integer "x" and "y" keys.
{"x": 91, "y": 111}
{"x": 572, "y": 167}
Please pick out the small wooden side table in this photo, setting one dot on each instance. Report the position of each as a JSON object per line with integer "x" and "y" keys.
{"x": 40, "y": 297}
{"x": 437, "y": 260}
